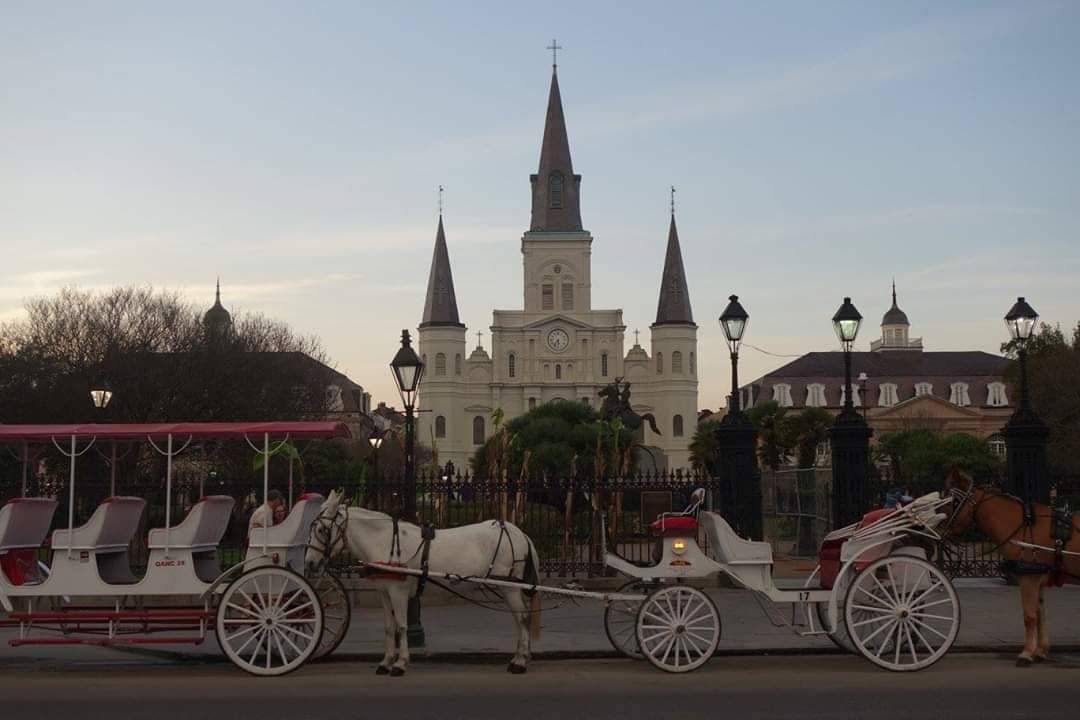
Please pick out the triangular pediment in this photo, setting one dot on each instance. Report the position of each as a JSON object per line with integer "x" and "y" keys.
{"x": 559, "y": 319}
{"x": 927, "y": 406}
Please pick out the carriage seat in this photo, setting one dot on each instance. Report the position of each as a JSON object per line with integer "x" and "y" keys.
{"x": 201, "y": 530}
{"x": 293, "y": 530}
{"x": 670, "y": 524}
{"x": 24, "y": 523}
{"x": 110, "y": 529}
{"x": 727, "y": 547}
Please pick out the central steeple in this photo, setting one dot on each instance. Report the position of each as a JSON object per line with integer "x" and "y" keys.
{"x": 556, "y": 204}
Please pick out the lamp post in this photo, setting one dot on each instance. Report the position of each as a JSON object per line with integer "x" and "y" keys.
{"x": 376, "y": 441}
{"x": 408, "y": 370}
{"x": 849, "y": 435}
{"x": 1025, "y": 433}
{"x": 736, "y": 440}
{"x": 101, "y": 394}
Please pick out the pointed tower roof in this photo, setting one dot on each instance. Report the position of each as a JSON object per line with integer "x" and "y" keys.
{"x": 674, "y": 305}
{"x": 217, "y": 317}
{"x": 440, "y": 304}
{"x": 555, "y": 206}
{"x": 894, "y": 315}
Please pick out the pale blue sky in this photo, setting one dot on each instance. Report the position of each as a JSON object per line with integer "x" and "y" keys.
{"x": 295, "y": 149}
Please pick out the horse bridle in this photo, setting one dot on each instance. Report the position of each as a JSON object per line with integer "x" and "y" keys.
{"x": 330, "y": 530}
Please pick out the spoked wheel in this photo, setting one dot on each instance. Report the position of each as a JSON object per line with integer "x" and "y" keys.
{"x": 839, "y": 636}
{"x": 269, "y": 621}
{"x": 337, "y": 613}
{"x": 678, "y": 628}
{"x": 902, "y": 613}
{"x": 620, "y": 619}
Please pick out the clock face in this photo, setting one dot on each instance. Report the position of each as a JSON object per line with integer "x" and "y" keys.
{"x": 558, "y": 340}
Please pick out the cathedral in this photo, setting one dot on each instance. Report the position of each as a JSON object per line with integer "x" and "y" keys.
{"x": 557, "y": 347}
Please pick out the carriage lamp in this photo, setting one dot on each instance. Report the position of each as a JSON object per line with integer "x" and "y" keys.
{"x": 101, "y": 391}
{"x": 1021, "y": 320}
{"x": 733, "y": 322}
{"x": 408, "y": 369}
{"x": 846, "y": 322}
{"x": 678, "y": 546}
{"x": 376, "y": 440}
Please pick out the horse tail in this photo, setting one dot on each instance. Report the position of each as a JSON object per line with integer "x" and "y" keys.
{"x": 532, "y": 576}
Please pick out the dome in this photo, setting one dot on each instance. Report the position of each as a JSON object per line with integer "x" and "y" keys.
{"x": 217, "y": 317}
{"x": 637, "y": 353}
{"x": 894, "y": 315}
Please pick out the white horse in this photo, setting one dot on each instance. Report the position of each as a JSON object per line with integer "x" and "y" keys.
{"x": 481, "y": 549}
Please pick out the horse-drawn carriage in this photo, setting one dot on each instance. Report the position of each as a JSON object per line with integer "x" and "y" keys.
{"x": 267, "y": 617}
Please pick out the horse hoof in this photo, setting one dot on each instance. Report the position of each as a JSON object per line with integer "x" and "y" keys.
{"x": 382, "y": 670}
{"x": 396, "y": 672}
{"x": 1023, "y": 662}
{"x": 515, "y": 669}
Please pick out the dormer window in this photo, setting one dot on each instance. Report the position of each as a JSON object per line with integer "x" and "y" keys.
{"x": 781, "y": 395}
{"x": 958, "y": 394}
{"x": 995, "y": 395}
{"x": 815, "y": 395}
{"x": 555, "y": 190}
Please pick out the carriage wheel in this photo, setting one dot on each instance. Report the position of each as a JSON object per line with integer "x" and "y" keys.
{"x": 839, "y": 636}
{"x": 902, "y": 613}
{"x": 337, "y": 613}
{"x": 269, "y": 621}
{"x": 620, "y": 619}
{"x": 678, "y": 628}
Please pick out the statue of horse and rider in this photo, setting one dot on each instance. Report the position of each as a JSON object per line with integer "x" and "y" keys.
{"x": 616, "y": 404}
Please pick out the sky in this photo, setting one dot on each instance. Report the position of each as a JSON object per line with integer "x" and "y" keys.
{"x": 295, "y": 150}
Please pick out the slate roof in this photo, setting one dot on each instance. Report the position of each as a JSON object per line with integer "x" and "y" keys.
{"x": 440, "y": 302}
{"x": 555, "y": 158}
{"x": 673, "y": 307}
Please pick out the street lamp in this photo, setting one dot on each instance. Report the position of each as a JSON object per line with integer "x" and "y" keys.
{"x": 736, "y": 441}
{"x": 408, "y": 370}
{"x": 376, "y": 441}
{"x": 849, "y": 435}
{"x": 846, "y": 323}
{"x": 733, "y": 321}
{"x": 101, "y": 391}
{"x": 1025, "y": 433}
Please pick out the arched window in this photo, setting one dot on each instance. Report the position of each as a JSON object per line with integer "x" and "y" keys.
{"x": 532, "y": 403}
{"x": 677, "y": 426}
{"x": 457, "y": 364}
{"x": 603, "y": 364}
{"x": 558, "y": 372}
{"x": 440, "y": 363}
{"x": 440, "y": 426}
{"x": 478, "y": 430}
{"x": 555, "y": 190}
{"x": 676, "y": 362}
{"x": 567, "y": 296}
{"x": 659, "y": 363}
{"x": 511, "y": 365}
{"x": 693, "y": 366}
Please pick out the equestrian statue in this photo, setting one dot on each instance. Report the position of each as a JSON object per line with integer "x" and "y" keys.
{"x": 616, "y": 404}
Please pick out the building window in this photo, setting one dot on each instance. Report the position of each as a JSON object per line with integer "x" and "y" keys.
{"x": 958, "y": 394}
{"x": 457, "y": 364}
{"x": 995, "y": 395}
{"x": 659, "y": 363}
{"x": 569, "y": 371}
{"x": 547, "y": 370}
{"x": 677, "y": 426}
{"x": 693, "y": 365}
{"x": 567, "y": 296}
{"x": 555, "y": 190}
{"x": 856, "y": 399}
{"x": 781, "y": 395}
{"x": 676, "y": 362}
{"x": 603, "y": 365}
{"x": 547, "y": 296}
{"x": 887, "y": 395}
{"x": 511, "y": 363}
{"x": 532, "y": 403}
{"x": 558, "y": 372}
{"x": 997, "y": 446}
{"x": 815, "y": 395}
{"x": 440, "y": 426}
{"x": 478, "y": 430}
{"x": 923, "y": 388}
{"x": 440, "y": 363}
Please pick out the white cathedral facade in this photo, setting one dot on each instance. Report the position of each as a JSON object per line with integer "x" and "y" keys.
{"x": 558, "y": 347}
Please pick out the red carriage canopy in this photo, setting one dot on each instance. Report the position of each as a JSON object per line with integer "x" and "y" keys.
{"x": 196, "y": 431}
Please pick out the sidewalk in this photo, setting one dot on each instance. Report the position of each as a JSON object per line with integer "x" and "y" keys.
{"x": 991, "y": 621}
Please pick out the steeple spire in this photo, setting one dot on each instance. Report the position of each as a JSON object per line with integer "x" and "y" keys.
{"x": 217, "y": 292}
{"x": 440, "y": 304}
{"x": 674, "y": 305}
{"x": 555, "y": 205}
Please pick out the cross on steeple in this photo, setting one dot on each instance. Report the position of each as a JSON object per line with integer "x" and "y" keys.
{"x": 479, "y": 339}
{"x": 636, "y": 334}
{"x": 440, "y": 200}
{"x": 672, "y": 199}
{"x": 554, "y": 47}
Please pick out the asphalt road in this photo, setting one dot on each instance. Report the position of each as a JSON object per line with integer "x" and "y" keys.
{"x": 802, "y": 687}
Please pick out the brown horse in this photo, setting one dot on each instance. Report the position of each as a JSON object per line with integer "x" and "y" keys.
{"x": 1001, "y": 518}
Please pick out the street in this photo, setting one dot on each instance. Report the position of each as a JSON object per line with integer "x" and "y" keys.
{"x": 805, "y": 687}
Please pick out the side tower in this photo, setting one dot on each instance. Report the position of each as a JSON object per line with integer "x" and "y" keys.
{"x": 673, "y": 388}
{"x": 442, "y": 348}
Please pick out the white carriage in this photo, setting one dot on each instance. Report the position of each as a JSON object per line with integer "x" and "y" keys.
{"x": 268, "y": 618}
{"x": 876, "y": 593}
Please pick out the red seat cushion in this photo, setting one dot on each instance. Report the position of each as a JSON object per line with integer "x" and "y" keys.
{"x": 677, "y": 524}
{"x": 873, "y": 516}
